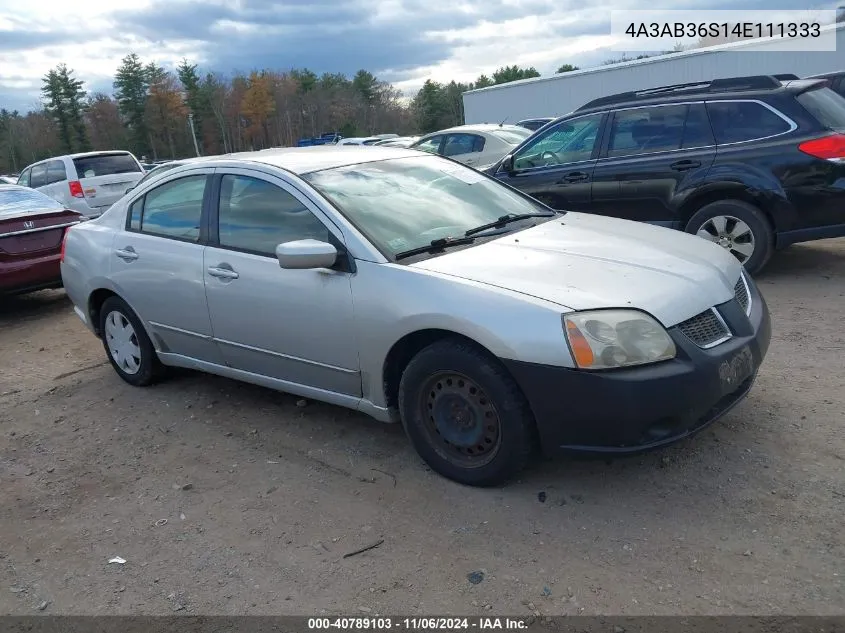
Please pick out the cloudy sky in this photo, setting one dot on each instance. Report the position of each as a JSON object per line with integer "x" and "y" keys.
{"x": 402, "y": 41}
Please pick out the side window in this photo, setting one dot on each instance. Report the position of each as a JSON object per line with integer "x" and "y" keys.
{"x": 257, "y": 216}
{"x": 39, "y": 176}
{"x": 647, "y": 130}
{"x": 431, "y": 145}
{"x": 135, "y": 212}
{"x": 567, "y": 142}
{"x": 173, "y": 209}
{"x": 735, "y": 121}
{"x": 23, "y": 179}
{"x": 697, "y": 132}
{"x": 457, "y": 144}
{"x": 55, "y": 172}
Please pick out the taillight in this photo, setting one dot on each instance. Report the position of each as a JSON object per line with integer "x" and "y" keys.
{"x": 827, "y": 147}
{"x": 64, "y": 241}
{"x": 76, "y": 189}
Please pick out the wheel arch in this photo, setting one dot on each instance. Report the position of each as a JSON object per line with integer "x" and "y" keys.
{"x": 719, "y": 194}
{"x": 404, "y": 349}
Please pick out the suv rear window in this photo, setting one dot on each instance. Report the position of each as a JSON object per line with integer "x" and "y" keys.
{"x": 105, "y": 164}
{"x": 827, "y": 106}
{"x": 737, "y": 121}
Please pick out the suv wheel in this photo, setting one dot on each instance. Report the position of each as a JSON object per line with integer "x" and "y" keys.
{"x": 127, "y": 345}
{"x": 739, "y": 228}
{"x": 465, "y": 415}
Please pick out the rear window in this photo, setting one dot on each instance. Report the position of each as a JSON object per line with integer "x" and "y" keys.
{"x": 105, "y": 165}
{"x": 737, "y": 121}
{"x": 20, "y": 201}
{"x": 827, "y": 106}
{"x": 512, "y": 136}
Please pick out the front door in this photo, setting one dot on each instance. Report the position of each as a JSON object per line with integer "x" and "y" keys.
{"x": 651, "y": 157}
{"x": 292, "y": 325}
{"x": 556, "y": 167}
{"x": 157, "y": 263}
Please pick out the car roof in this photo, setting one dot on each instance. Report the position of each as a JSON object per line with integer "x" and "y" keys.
{"x": 477, "y": 127}
{"x": 303, "y": 160}
{"x": 729, "y": 88}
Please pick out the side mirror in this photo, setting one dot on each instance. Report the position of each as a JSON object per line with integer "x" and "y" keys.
{"x": 304, "y": 254}
{"x": 507, "y": 164}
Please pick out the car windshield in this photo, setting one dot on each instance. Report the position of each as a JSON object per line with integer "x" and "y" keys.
{"x": 405, "y": 203}
{"x": 513, "y": 137}
{"x": 16, "y": 201}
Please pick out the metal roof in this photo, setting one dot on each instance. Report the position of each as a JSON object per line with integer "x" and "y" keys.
{"x": 302, "y": 160}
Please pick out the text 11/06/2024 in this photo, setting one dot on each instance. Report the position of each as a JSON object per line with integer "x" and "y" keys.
{"x": 418, "y": 624}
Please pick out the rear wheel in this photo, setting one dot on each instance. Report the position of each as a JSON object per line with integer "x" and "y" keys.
{"x": 738, "y": 227}
{"x": 127, "y": 345}
{"x": 465, "y": 415}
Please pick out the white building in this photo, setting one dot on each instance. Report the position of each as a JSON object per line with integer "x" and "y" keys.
{"x": 560, "y": 94}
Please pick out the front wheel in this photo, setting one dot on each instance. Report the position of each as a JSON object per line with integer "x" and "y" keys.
{"x": 127, "y": 345}
{"x": 465, "y": 415}
{"x": 739, "y": 228}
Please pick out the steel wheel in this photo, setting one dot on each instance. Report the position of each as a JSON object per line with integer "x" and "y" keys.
{"x": 730, "y": 233}
{"x": 461, "y": 421}
{"x": 122, "y": 342}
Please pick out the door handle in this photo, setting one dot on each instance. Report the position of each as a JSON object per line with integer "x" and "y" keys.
{"x": 575, "y": 176}
{"x": 683, "y": 165}
{"x": 222, "y": 273}
{"x": 127, "y": 254}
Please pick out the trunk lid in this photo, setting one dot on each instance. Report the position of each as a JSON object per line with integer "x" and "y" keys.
{"x": 34, "y": 233}
{"x": 105, "y": 177}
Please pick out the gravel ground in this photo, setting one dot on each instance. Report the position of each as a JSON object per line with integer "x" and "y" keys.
{"x": 225, "y": 498}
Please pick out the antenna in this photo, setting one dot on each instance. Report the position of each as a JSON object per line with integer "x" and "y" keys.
{"x": 503, "y": 121}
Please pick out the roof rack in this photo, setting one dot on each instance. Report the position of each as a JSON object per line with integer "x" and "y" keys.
{"x": 755, "y": 82}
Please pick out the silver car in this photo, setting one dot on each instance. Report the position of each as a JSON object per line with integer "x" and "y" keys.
{"x": 420, "y": 291}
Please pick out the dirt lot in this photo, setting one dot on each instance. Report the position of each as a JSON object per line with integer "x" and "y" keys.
{"x": 745, "y": 518}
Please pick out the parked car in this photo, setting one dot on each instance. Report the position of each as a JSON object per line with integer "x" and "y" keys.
{"x": 478, "y": 145}
{"x": 414, "y": 288}
{"x": 359, "y": 140}
{"x": 88, "y": 183}
{"x": 750, "y": 163}
{"x": 400, "y": 141}
{"x": 32, "y": 227}
{"x": 535, "y": 124}
{"x": 163, "y": 167}
{"x": 8, "y": 180}
{"x": 836, "y": 79}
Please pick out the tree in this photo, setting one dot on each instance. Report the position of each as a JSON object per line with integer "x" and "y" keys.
{"x": 165, "y": 112}
{"x": 507, "y": 74}
{"x": 566, "y": 68}
{"x": 131, "y": 83}
{"x": 63, "y": 94}
{"x": 257, "y": 106}
{"x": 103, "y": 122}
{"x": 483, "y": 81}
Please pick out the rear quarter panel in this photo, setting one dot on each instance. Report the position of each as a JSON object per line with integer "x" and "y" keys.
{"x": 87, "y": 263}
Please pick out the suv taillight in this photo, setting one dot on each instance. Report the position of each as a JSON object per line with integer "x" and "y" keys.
{"x": 76, "y": 189}
{"x": 827, "y": 147}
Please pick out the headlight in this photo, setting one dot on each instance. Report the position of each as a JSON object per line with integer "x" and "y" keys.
{"x": 604, "y": 339}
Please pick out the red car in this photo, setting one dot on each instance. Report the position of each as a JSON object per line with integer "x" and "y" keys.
{"x": 32, "y": 228}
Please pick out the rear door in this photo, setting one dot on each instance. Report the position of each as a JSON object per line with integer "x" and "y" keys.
{"x": 157, "y": 262}
{"x": 105, "y": 177}
{"x": 651, "y": 159}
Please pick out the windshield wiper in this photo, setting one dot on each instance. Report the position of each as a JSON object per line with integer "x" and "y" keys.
{"x": 435, "y": 245}
{"x": 507, "y": 219}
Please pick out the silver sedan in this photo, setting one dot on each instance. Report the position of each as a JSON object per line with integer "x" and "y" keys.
{"x": 420, "y": 291}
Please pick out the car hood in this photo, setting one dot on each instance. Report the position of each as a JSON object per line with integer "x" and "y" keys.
{"x": 582, "y": 261}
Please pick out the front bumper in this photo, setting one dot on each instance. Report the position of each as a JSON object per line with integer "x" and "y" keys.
{"x": 637, "y": 409}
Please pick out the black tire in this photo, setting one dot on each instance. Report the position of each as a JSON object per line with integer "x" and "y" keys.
{"x": 150, "y": 368}
{"x": 761, "y": 229}
{"x": 479, "y": 387}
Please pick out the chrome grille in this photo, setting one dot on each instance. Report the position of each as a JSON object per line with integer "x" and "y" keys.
{"x": 705, "y": 329}
{"x": 741, "y": 293}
